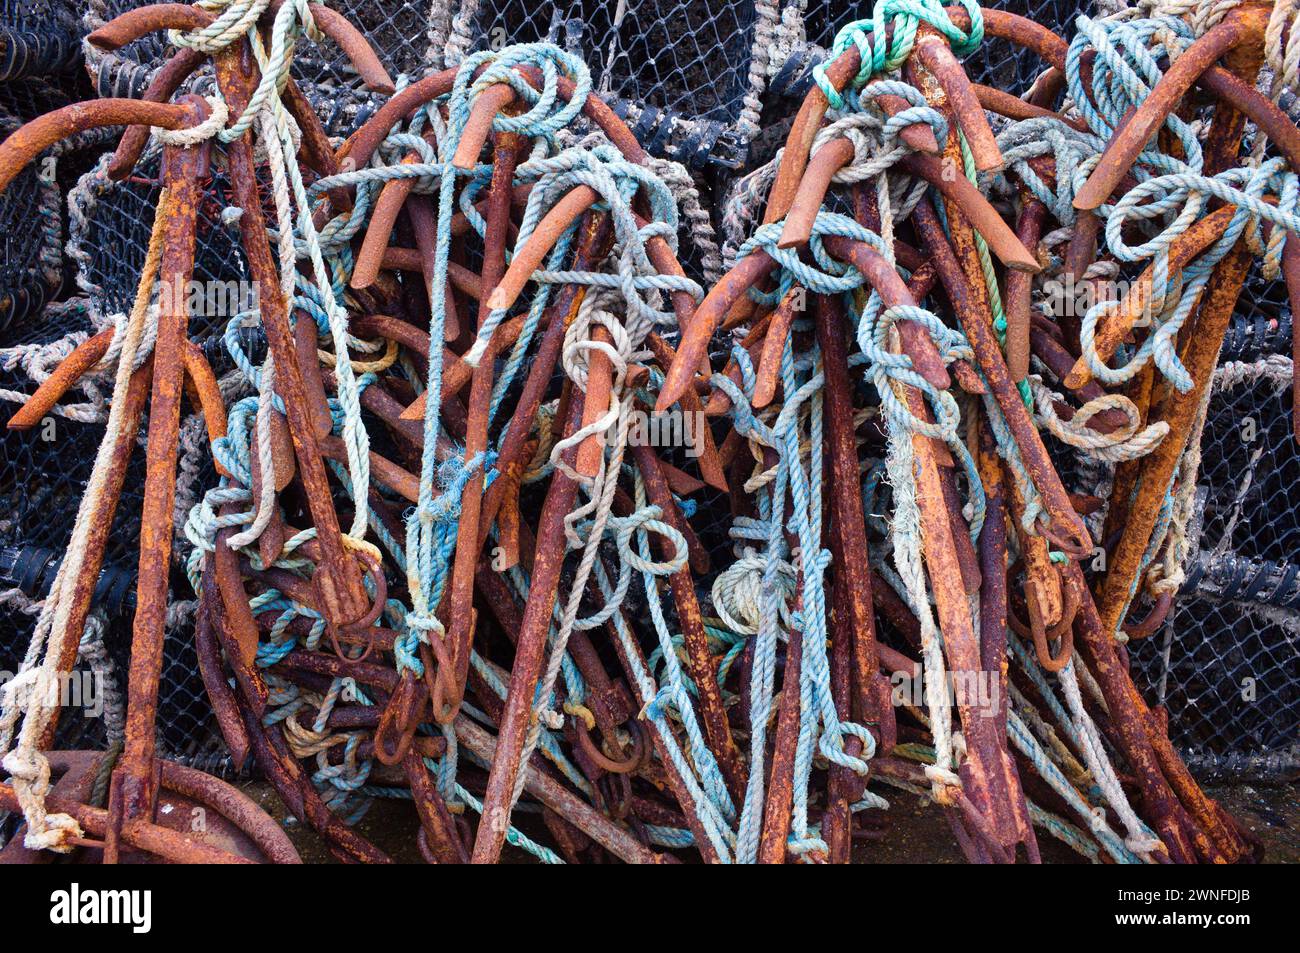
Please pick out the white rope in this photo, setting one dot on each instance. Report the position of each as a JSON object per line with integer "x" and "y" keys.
{"x": 1127, "y": 442}
{"x": 462, "y": 33}
{"x": 193, "y": 135}
{"x": 1140, "y": 839}
{"x": 600, "y": 488}
{"x": 288, "y": 257}
{"x": 684, "y": 190}
{"x": 765, "y": 26}
{"x": 34, "y": 693}
{"x": 905, "y": 531}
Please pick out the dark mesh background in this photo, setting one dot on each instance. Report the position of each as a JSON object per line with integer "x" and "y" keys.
{"x": 1225, "y": 671}
{"x": 38, "y": 37}
{"x": 1226, "y": 665}
{"x": 118, "y": 239}
{"x": 667, "y": 61}
{"x": 41, "y": 484}
{"x": 25, "y": 207}
{"x": 1250, "y": 468}
{"x": 661, "y": 60}
{"x": 124, "y": 72}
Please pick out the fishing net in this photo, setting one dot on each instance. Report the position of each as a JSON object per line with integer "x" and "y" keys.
{"x": 43, "y": 474}
{"x": 38, "y": 37}
{"x": 679, "y": 72}
{"x": 40, "y": 47}
{"x": 1224, "y": 665}
{"x": 689, "y": 76}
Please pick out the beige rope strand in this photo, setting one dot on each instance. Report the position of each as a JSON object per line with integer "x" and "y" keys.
{"x": 35, "y": 690}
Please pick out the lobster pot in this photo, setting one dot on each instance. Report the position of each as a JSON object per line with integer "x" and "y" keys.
{"x": 43, "y": 475}
{"x": 109, "y": 240}
{"x": 1226, "y": 663}
{"x": 123, "y": 73}
{"x": 31, "y": 264}
{"x": 679, "y": 70}
{"x": 38, "y": 37}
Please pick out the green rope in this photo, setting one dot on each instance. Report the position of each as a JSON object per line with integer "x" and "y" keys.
{"x": 990, "y": 278}
{"x": 904, "y": 16}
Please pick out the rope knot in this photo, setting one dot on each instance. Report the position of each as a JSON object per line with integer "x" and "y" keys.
{"x": 233, "y": 23}
{"x": 30, "y": 772}
{"x": 904, "y": 16}
{"x": 945, "y": 785}
{"x": 193, "y": 135}
{"x": 542, "y": 119}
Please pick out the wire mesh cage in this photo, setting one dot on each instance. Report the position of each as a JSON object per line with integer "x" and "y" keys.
{"x": 1224, "y": 669}
{"x": 677, "y": 70}
{"x": 43, "y": 474}
{"x": 31, "y": 217}
{"x": 1226, "y": 663}
{"x": 125, "y": 72}
{"x": 109, "y": 238}
{"x": 38, "y": 37}
{"x": 693, "y": 79}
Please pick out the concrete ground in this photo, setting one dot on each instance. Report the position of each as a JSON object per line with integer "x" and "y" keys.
{"x": 916, "y": 834}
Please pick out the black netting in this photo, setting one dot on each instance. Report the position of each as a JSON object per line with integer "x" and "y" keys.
{"x": 1249, "y": 469}
{"x": 677, "y": 70}
{"x": 1225, "y": 669}
{"x": 43, "y": 474}
{"x": 1226, "y": 665}
{"x": 123, "y": 72}
{"x": 686, "y": 60}
{"x": 38, "y": 37}
{"x": 118, "y": 219}
{"x": 30, "y": 264}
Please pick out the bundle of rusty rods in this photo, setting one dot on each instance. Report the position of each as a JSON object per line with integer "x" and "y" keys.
{"x": 514, "y": 595}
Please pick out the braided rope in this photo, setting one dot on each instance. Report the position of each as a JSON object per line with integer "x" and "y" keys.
{"x": 904, "y": 16}
{"x": 33, "y": 693}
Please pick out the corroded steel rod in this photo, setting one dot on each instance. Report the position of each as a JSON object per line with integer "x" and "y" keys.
{"x": 529, "y": 654}
{"x": 704, "y": 673}
{"x": 338, "y": 576}
{"x": 507, "y": 147}
{"x": 134, "y": 785}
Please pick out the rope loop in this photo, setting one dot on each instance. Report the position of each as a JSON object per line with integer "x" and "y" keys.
{"x": 542, "y": 119}
{"x": 902, "y": 17}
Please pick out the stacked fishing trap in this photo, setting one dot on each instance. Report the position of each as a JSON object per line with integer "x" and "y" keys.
{"x": 661, "y": 431}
